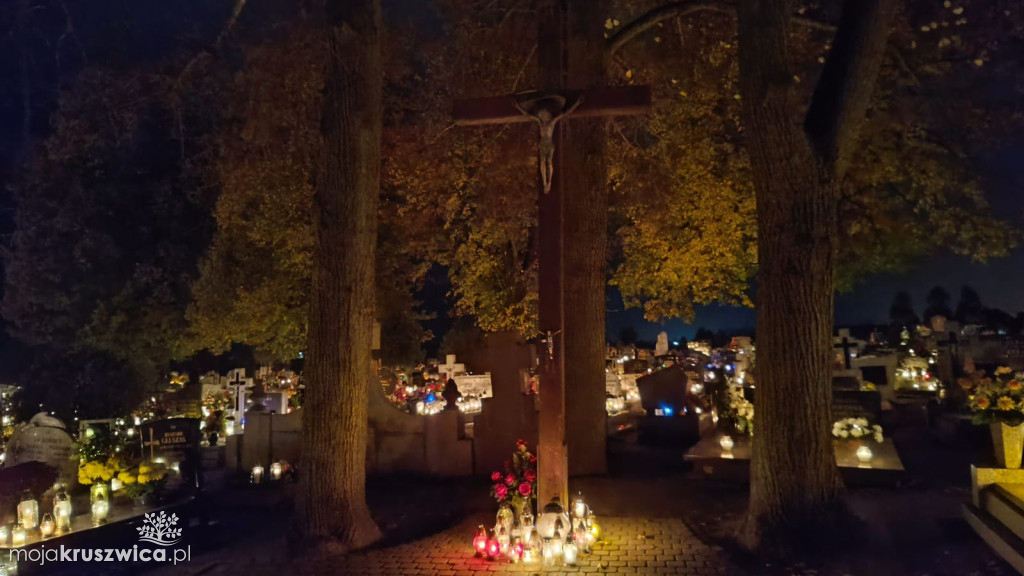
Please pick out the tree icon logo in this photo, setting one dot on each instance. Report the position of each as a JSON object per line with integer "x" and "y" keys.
{"x": 159, "y": 529}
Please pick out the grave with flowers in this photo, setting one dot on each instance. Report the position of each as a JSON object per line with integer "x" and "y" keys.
{"x": 864, "y": 455}
{"x": 996, "y": 509}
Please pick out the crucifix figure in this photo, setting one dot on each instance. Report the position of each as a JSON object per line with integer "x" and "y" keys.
{"x": 547, "y": 108}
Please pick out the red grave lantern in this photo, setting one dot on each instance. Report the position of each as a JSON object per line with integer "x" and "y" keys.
{"x": 480, "y": 541}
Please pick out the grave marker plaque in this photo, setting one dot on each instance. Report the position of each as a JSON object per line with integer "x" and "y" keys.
{"x": 857, "y": 404}
{"x": 175, "y": 440}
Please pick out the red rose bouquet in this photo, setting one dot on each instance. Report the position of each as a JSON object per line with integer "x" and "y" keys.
{"x": 515, "y": 486}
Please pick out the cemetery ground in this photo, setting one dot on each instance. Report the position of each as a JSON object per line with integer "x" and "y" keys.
{"x": 659, "y": 518}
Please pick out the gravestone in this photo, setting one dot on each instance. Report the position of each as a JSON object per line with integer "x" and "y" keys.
{"x": 661, "y": 348}
{"x": 174, "y": 440}
{"x": 857, "y": 404}
{"x": 44, "y": 439}
{"x": 663, "y": 396}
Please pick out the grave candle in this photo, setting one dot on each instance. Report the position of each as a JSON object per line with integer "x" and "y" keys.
{"x": 28, "y": 512}
{"x": 5, "y": 531}
{"x": 257, "y": 474}
{"x": 229, "y": 427}
{"x": 579, "y": 508}
{"x": 100, "y": 510}
{"x": 18, "y": 535}
{"x": 47, "y": 526}
{"x": 517, "y": 551}
{"x": 62, "y": 512}
{"x": 275, "y": 470}
{"x": 480, "y": 541}
{"x": 569, "y": 553}
{"x": 864, "y": 454}
{"x": 726, "y": 443}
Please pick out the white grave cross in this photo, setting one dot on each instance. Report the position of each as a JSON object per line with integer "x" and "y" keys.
{"x": 450, "y": 368}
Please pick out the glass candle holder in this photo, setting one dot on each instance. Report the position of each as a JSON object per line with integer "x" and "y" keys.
{"x": 100, "y": 511}
{"x": 18, "y": 535}
{"x": 28, "y": 512}
{"x": 47, "y": 526}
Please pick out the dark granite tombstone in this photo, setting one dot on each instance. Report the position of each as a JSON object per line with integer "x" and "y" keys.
{"x": 669, "y": 414}
{"x": 175, "y": 440}
{"x": 857, "y": 404}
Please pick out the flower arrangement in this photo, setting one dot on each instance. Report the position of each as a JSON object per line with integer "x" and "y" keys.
{"x": 741, "y": 411}
{"x": 998, "y": 399}
{"x": 97, "y": 471}
{"x": 857, "y": 429}
{"x": 144, "y": 479}
{"x": 515, "y": 485}
{"x": 219, "y": 401}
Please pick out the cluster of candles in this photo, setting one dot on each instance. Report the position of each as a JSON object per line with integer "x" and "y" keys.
{"x": 615, "y": 405}
{"x": 557, "y": 536}
{"x": 276, "y": 470}
{"x": 28, "y": 519}
{"x": 470, "y": 405}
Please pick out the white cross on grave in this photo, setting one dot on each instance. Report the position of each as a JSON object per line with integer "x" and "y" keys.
{"x": 450, "y": 368}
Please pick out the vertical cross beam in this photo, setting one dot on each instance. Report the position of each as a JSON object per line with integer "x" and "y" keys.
{"x": 553, "y": 471}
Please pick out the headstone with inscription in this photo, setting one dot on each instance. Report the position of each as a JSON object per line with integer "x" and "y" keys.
{"x": 175, "y": 440}
{"x": 857, "y": 404}
{"x": 44, "y": 439}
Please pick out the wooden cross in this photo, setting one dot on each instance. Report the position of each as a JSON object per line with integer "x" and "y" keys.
{"x": 552, "y": 105}
{"x": 151, "y": 443}
{"x": 846, "y": 345}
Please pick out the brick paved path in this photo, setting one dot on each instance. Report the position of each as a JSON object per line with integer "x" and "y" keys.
{"x": 631, "y": 546}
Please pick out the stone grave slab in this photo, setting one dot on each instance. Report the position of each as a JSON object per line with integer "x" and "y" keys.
{"x": 885, "y": 468}
{"x": 43, "y": 439}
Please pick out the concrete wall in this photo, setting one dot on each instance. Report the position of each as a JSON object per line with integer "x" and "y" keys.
{"x": 397, "y": 441}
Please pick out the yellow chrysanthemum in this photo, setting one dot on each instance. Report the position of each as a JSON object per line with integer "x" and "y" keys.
{"x": 143, "y": 479}
{"x": 982, "y": 402}
{"x": 143, "y": 469}
{"x": 1006, "y": 403}
{"x": 1003, "y": 370}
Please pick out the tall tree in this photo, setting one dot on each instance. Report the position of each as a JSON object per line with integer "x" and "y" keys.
{"x": 586, "y": 215}
{"x": 937, "y": 304}
{"x": 901, "y": 312}
{"x": 969, "y": 309}
{"x": 798, "y": 162}
{"x": 332, "y": 506}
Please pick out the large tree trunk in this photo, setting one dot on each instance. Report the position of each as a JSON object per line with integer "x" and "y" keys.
{"x": 332, "y": 506}
{"x": 796, "y": 494}
{"x": 586, "y": 217}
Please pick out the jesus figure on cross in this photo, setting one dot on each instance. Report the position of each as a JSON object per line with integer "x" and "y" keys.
{"x": 546, "y": 110}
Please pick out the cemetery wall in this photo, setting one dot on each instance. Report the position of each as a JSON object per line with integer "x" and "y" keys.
{"x": 396, "y": 442}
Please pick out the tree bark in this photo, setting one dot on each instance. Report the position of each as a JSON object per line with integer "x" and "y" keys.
{"x": 796, "y": 494}
{"x": 332, "y": 508}
{"x": 585, "y": 222}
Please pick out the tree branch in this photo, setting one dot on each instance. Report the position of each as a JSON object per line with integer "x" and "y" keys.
{"x": 228, "y": 26}
{"x": 645, "y": 22}
{"x": 652, "y": 18}
{"x": 844, "y": 88}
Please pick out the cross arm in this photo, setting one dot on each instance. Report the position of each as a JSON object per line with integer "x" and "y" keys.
{"x": 617, "y": 101}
